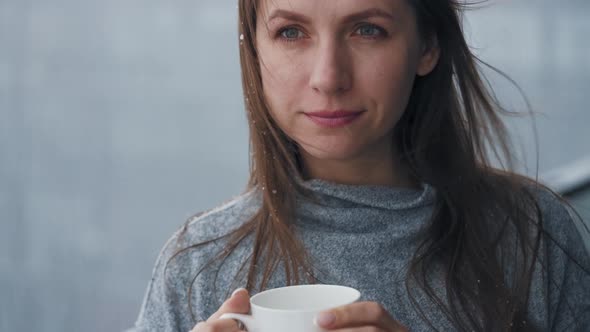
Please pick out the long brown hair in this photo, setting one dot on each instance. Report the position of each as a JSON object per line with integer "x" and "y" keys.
{"x": 447, "y": 136}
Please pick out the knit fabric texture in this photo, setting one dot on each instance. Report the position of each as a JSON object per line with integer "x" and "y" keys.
{"x": 362, "y": 236}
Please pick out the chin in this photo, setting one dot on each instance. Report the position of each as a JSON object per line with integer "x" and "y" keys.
{"x": 333, "y": 152}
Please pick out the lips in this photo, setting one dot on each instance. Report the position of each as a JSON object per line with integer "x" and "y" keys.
{"x": 333, "y": 114}
{"x": 333, "y": 119}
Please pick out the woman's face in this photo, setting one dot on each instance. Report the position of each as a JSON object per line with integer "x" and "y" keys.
{"x": 338, "y": 74}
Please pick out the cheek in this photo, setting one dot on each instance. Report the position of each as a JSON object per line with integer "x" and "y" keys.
{"x": 393, "y": 80}
{"x": 275, "y": 91}
{"x": 281, "y": 83}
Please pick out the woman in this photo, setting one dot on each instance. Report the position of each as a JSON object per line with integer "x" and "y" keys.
{"x": 371, "y": 131}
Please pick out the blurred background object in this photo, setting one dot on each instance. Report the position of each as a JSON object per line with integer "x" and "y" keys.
{"x": 121, "y": 119}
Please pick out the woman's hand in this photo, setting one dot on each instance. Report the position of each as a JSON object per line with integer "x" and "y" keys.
{"x": 238, "y": 303}
{"x": 359, "y": 317}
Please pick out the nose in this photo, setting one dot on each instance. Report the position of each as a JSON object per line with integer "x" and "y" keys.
{"x": 331, "y": 71}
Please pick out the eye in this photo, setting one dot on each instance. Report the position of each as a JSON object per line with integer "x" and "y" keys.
{"x": 370, "y": 31}
{"x": 290, "y": 34}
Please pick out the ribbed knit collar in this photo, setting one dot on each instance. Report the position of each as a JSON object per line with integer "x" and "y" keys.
{"x": 376, "y": 196}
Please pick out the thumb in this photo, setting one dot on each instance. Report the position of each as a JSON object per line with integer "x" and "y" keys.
{"x": 238, "y": 303}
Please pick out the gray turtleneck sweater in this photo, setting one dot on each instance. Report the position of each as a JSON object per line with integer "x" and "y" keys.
{"x": 363, "y": 237}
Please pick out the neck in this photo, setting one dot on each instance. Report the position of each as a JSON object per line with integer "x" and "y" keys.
{"x": 378, "y": 169}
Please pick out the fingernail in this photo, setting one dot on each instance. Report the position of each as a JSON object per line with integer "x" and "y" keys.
{"x": 237, "y": 291}
{"x": 325, "y": 319}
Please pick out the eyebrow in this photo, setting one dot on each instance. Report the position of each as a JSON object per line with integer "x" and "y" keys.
{"x": 371, "y": 12}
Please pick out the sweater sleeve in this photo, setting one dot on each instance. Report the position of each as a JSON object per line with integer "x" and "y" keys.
{"x": 568, "y": 268}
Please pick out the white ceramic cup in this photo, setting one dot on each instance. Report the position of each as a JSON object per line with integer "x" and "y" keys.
{"x": 293, "y": 308}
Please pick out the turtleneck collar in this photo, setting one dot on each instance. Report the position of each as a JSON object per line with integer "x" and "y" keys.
{"x": 375, "y": 196}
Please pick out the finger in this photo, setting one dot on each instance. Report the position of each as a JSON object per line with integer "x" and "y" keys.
{"x": 370, "y": 329}
{"x": 362, "y": 329}
{"x": 220, "y": 325}
{"x": 358, "y": 315}
{"x": 238, "y": 303}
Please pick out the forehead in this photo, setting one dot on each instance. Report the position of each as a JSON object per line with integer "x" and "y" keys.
{"x": 324, "y": 9}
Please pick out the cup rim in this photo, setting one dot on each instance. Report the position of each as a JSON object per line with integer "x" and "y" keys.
{"x": 253, "y": 298}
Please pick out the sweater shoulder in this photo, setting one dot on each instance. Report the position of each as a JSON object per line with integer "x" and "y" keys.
{"x": 559, "y": 217}
{"x": 184, "y": 256}
{"x": 562, "y": 224}
{"x": 203, "y": 236}
{"x": 220, "y": 220}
